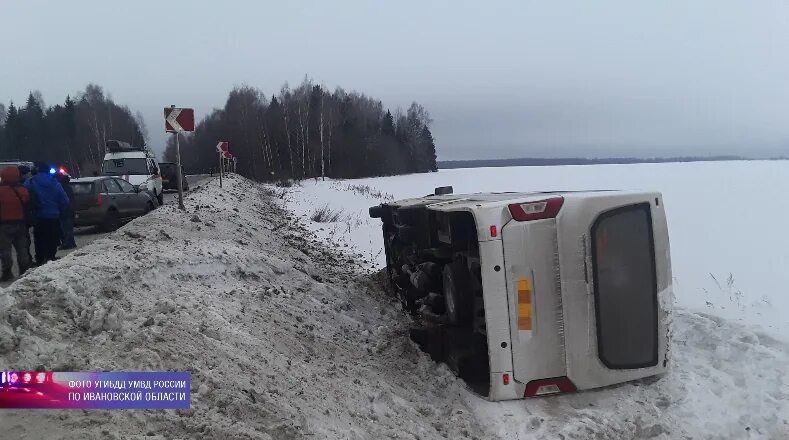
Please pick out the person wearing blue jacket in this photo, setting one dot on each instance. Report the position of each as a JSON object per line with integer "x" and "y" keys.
{"x": 49, "y": 201}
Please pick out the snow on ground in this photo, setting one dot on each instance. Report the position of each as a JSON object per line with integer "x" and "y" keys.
{"x": 287, "y": 338}
{"x": 727, "y": 222}
{"x": 729, "y": 241}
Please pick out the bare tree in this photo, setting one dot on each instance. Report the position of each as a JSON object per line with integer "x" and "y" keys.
{"x": 303, "y": 96}
{"x": 323, "y": 160}
{"x": 285, "y": 96}
{"x": 39, "y": 98}
{"x": 140, "y": 120}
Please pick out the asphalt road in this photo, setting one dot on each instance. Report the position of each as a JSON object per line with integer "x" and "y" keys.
{"x": 83, "y": 236}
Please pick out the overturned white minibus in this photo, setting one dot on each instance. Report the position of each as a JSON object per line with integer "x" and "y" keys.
{"x": 529, "y": 294}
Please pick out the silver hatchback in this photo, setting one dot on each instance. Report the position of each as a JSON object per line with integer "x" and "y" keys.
{"x": 108, "y": 201}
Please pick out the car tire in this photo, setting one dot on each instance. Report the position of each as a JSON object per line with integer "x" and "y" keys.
{"x": 111, "y": 221}
{"x": 149, "y": 207}
{"x": 160, "y": 198}
{"x": 457, "y": 295}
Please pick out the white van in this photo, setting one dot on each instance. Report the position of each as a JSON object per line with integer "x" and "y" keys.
{"x": 529, "y": 294}
{"x": 137, "y": 166}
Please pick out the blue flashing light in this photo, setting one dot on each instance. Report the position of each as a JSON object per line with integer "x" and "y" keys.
{"x": 53, "y": 170}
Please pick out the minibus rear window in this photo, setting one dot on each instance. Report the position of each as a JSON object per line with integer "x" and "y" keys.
{"x": 119, "y": 167}
{"x": 625, "y": 287}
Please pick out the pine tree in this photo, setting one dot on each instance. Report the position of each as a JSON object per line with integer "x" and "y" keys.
{"x": 424, "y": 152}
{"x": 429, "y": 149}
{"x": 12, "y": 132}
{"x": 3, "y": 141}
{"x": 32, "y": 117}
{"x": 71, "y": 113}
{"x": 70, "y": 122}
{"x": 11, "y": 115}
{"x": 33, "y": 107}
{"x": 387, "y": 124}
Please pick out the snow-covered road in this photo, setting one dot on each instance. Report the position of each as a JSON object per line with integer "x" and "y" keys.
{"x": 287, "y": 337}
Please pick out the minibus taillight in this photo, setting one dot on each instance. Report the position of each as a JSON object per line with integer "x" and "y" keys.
{"x": 524, "y": 212}
{"x": 544, "y": 387}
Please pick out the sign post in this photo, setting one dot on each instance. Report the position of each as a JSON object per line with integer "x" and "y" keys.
{"x": 177, "y": 120}
{"x": 221, "y": 148}
{"x": 180, "y": 177}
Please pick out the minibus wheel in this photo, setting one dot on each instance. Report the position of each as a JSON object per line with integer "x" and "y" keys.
{"x": 457, "y": 296}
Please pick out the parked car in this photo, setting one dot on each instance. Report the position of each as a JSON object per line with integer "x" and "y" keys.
{"x": 170, "y": 176}
{"x": 529, "y": 294}
{"x": 22, "y": 164}
{"x": 107, "y": 201}
{"x": 137, "y": 166}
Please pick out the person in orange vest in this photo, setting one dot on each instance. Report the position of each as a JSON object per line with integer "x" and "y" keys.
{"x": 14, "y": 223}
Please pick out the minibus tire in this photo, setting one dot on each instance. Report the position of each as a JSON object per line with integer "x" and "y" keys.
{"x": 457, "y": 296}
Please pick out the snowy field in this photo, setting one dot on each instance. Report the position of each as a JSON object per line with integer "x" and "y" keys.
{"x": 727, "y": 222}
{"x": 287, "y": 338}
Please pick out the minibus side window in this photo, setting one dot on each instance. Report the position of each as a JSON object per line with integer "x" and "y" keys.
{"x": 625, "y": 287}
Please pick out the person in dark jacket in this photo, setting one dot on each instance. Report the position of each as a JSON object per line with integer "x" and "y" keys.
{"x": 14, "y": 204}
{"x": 67, "y": 215}
{"x": 24, "y": 173}
{"x": 49, "y": 201}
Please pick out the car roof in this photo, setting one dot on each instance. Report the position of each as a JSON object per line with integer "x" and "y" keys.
{"x": 127, "y": 155}
{"x": 89, "y": 179}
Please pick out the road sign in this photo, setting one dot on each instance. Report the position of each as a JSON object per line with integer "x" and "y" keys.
{"x": 222, "y": 147}
{"x": 179, "y": 120}
{"x": 227, "y": 155}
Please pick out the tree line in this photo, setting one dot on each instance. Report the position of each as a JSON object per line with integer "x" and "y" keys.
{"x": 308, "y": 132}
{"x": 72, "y": 133}
{"x": 541, "y": 161}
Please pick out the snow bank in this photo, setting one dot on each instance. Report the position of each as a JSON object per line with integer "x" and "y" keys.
{"x": 283, "y": 338}
{"x": 287, "y": 338}
{"x": 727, "y": 222}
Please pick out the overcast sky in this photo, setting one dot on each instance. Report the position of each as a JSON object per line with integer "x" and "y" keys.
{"x": 501, "y": 79}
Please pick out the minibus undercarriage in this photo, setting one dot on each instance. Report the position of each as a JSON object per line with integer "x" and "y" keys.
{"x": 433, "y": 265}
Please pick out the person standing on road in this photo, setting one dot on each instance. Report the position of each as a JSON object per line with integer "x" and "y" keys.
{"x": 14, "y": 223}
{"x": 67, "y": 216}
{"x": 49, "y": 200}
